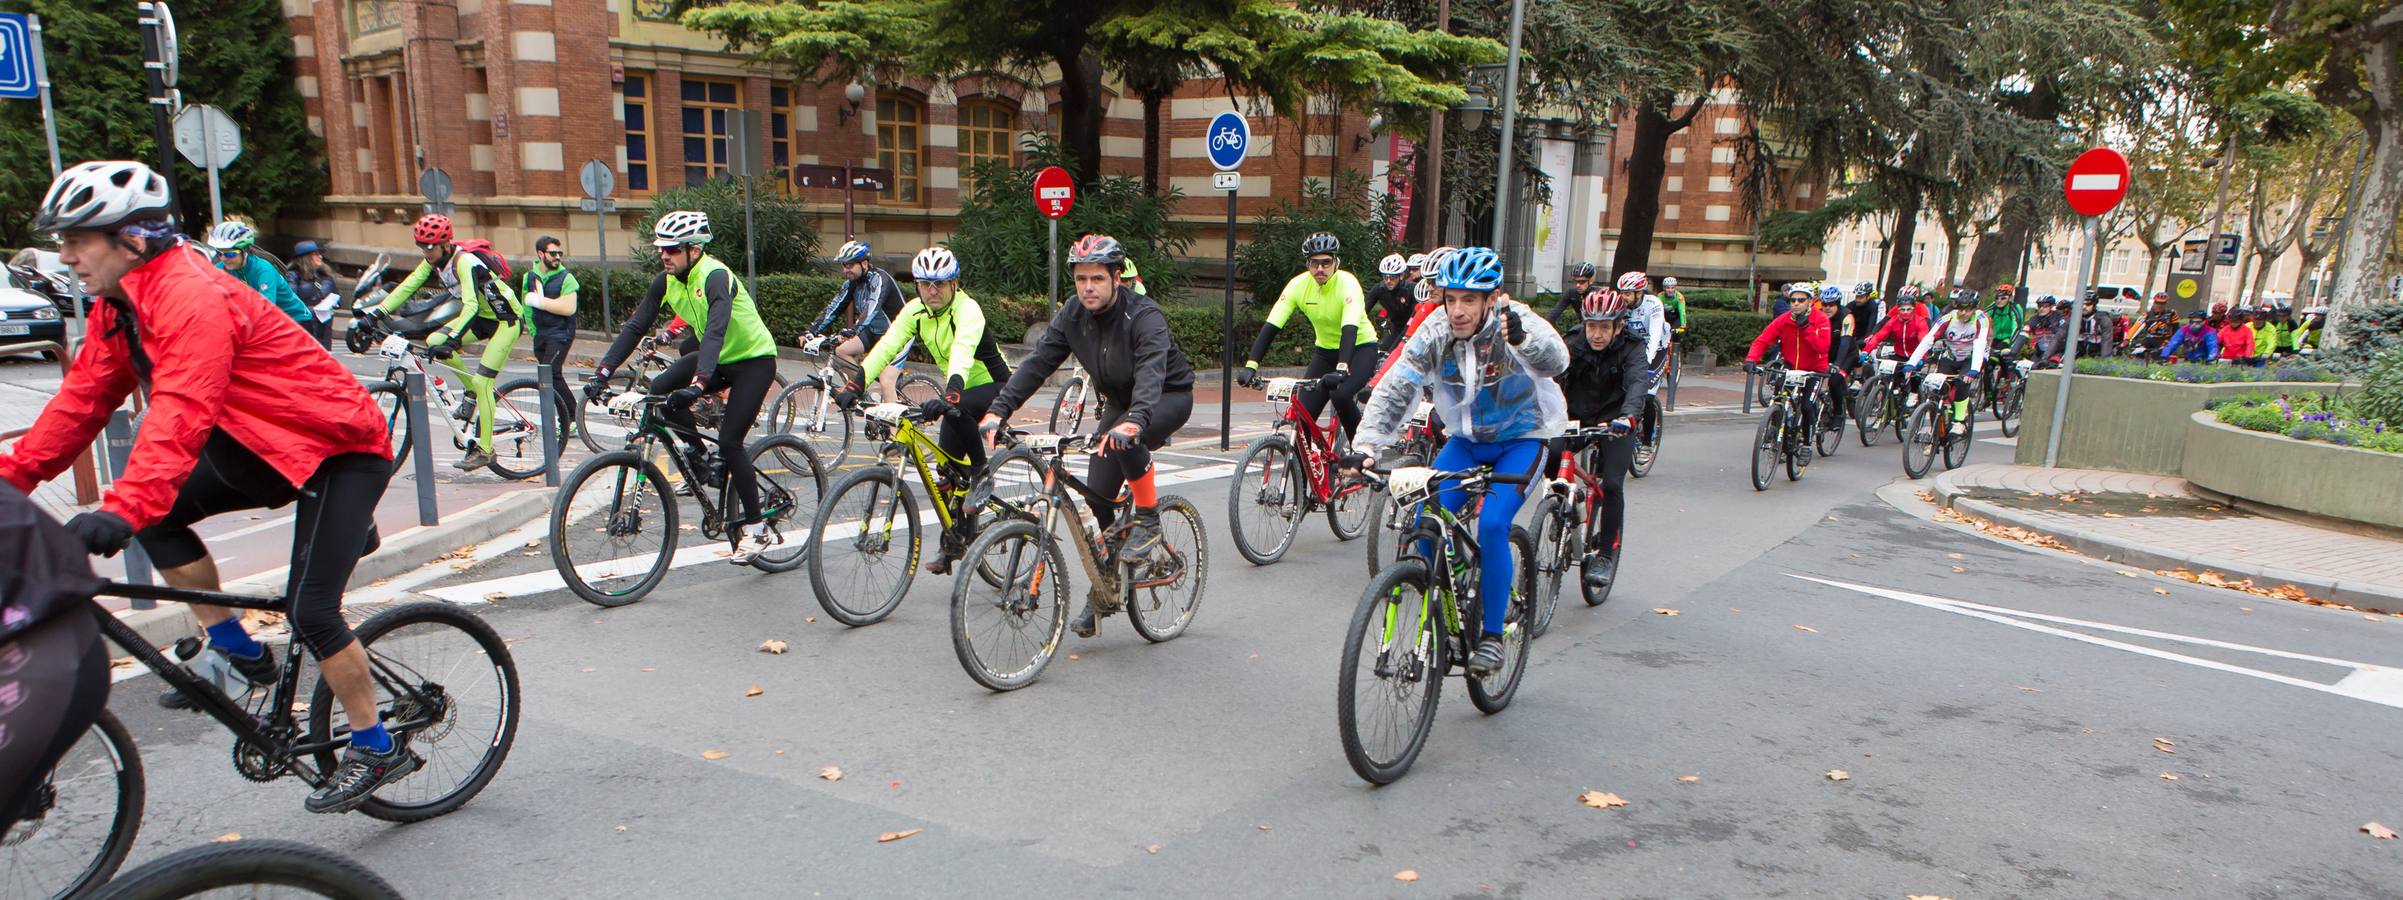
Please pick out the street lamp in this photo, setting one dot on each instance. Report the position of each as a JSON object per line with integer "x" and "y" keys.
{"x": 1479, "y": 104}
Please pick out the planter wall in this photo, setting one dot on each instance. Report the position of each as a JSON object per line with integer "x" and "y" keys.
{"x": 2127, "y": 424}
{"x": 2311, "y": 476}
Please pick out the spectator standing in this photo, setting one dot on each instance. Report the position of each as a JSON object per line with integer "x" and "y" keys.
{"x": 313, "y": 282}
{"x": 550, "y": 290}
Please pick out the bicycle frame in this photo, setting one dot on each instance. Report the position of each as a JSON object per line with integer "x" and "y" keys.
{"x": 1318, "y": 446}
{"x": 642, "y": 440}
{"x": 1057, "y": 498}
{"x": 909, "y": 438}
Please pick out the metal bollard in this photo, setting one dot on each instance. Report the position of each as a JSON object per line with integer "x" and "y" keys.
{"x": 550, "y": 423}
{"x": 1676, "y": 368}
{"x": 1747, "y": 405}
{"x": 421, "y": 448}
{"x": 120, "y": 438}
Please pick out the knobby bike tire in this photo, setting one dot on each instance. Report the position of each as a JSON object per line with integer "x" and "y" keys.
{"x": 1166, "y": 620}
{"x": 29, "y": 844}
{"x": 1764, "y": 451}
{"x": 891, "y": 507}
{"x": 1268, "y": 469}
{"x": 193, "y": 871}
{"x": 517, "y": 448}
{"x": 639, "y": 482}
{"x": 1492, "y": 693}
{"x": 1956, "y": 449}
{"x": 494, "y": 747}
{"x": 792, "y": 485}
{"x": 1370, "y": 614}
{"x": 1071, "y": 400}
{"x": 1919, "y": 449}
{"x": 1556, "y": 536}
{"x": 1031, "y": 563}
{"x": 1870, "y": 415}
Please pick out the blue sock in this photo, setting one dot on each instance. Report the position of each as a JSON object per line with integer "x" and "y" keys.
{"x": 229, "y": 635}
{"x": 372, "y": 737}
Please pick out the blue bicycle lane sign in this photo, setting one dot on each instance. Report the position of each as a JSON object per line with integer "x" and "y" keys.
{"x": 16, "y": 57}
{"x": 1229, "y": 139}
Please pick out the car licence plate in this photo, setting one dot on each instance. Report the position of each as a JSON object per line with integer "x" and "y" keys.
{"x": 16, "y": 329}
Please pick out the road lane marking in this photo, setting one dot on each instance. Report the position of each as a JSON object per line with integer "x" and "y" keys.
{"x": 2364, "y": 681}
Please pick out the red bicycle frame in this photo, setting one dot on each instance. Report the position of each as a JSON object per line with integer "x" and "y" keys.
{"x": 1317, "y": 449}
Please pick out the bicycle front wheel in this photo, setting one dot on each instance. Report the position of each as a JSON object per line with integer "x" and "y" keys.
{"x": 791, "y": 484}
{"x": 203, "y": 870}
{"x": 1347, "y": 510}
{"x": 613, "y": 529}
{"x": 1168, "y": 590}
{"x": 1765, "y": 450}
{"x": 1492, "y": 693}
{"x": 1871, "y": 415}
{"x": 447, "y": 688}
{"x": 1005, "y": 633}
{"x": 2007, "y": 408}
{"x": 1266, "y": 499}
{"x": 517, "y": 430}
{"x": 1391, "y": 676}
{"x": 1656, "y": 427}
{"x": 1555, "y": 546}
{"x": 81, "y": 821}
{"x": 392, "y": 401}
{"x": 863, "y": 551}
{"x": 917, "y": 387}
{"x": 1956, "y": 446}
{"x": 1829, "y": 430}
{"x": 804, "y": 410}
{"x": 1919, "y": 451}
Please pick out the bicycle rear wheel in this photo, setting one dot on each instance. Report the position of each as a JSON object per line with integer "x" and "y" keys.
{"x": 1956, "y": 446}
{"x": 1006, "y": 633}
{"x": 1068, "y": 407}
{"x": 1555, "y": 545}
{"x": 613, "y": 529}
{"x": 392, "y": 401}
{"x": 2007, "y": 408}
{"x": 82, "y": 820}
{"x": 803, "y": 410}
{"x": 1871, "y": 415}
{"x": 1765, "y": 450}
{"x": 1166, "y": 594}
{"x": 1347, "y": 510}
{"x": 1267, "y": 499}
{"x": 1656, "y": 427}
{"x": 1831, "y": 409}
{"x": 1492, "y": 693}
{"x": 517, "y": 429}
{"x": 1391, "y": 677}
{"x": 1919, "y": 452}
{"x": 447, "y": 688}
{"x": 791, "y": 484}
{"x": 863, "y": 551}
{"x": 198, "y": 871}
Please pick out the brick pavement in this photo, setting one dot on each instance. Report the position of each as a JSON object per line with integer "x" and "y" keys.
{"x": 2160, "y": 522}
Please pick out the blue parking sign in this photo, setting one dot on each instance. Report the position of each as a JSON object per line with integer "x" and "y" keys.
{"x": 16, "y": 57}
{"x": 1229, "y": 139}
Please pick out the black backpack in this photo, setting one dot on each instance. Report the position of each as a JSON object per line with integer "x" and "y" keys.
{"x": 44, "y": 570}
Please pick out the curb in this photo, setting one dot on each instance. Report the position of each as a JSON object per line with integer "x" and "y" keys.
{"x": 402, "y": 552}
{"x": 2152, "y": 556}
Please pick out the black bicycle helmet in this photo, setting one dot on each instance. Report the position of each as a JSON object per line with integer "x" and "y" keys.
{"x": 1321, "y": 244}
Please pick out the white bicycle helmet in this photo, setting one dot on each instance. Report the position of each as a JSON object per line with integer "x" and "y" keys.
{"x": 934, "y": 264}
{"x": 1392, "y": 264}
{"x": 1434, "y": 261}
{"x": 684, "y": 226}
{"x": 1416, "y": 261}
{"x": 1669, "y": 283}
{"x": 231, "y": 235}
{"x": 102, "y": 195}
{"x": 1633, "y": 281}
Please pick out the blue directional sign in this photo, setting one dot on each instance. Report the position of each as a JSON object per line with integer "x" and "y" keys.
{"x": 16, "y": 57}
{"x": 1230, "y": 138}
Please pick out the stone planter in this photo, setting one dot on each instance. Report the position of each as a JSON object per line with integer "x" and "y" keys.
{"x": 2315, "y": 477}
{"x": 2127, "y": 424}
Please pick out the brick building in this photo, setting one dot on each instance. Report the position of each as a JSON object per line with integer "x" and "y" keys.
{"x": 512, "y": 97}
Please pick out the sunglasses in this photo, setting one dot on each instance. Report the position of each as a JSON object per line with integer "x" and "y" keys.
{"x": 1322, "y": 262}
{"x": 425, "y": 246}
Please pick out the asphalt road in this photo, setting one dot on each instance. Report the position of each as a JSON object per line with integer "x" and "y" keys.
{"x": 1990, "y": 753}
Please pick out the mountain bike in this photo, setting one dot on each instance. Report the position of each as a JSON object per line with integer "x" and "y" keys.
{"x": 517, "y": 452}
{"x": 1417, "y": 623}
{"x": 807, "y": 407}
{"x": 613, "y": 525}
{"x": 864, "y": 538}
{"x": 1781, "y": 433}
{"x": 1651, "y": 425}
{"x": 253, "y": 864}
{"x": 1006, "y": 629}
{"x": 1068, "y": 406}
{"x": 1932, "y": 429}
{"x": 1417, "y": 447}
{"x": 445, "y": 684}
{"x": 2006, "y": 391}
{"x": 652, "y": 356}
{"x": 1884, "y": 402}
{"x": 1568, "y": 522}
{"x": 1275, "y": 487}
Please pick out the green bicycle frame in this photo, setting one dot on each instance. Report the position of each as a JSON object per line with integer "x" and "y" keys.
{"x": 1446, "y": 585}
{"x": 919, "y": 445}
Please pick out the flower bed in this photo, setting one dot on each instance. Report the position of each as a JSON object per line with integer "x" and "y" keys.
{"x": 2205, "y": 373}
{"x": 2310, "y": 417}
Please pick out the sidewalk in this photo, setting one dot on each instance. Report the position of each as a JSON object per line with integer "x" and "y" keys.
{"x": 2160, "y": 523}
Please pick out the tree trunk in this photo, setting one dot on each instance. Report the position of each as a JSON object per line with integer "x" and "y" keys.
{"x": 1081, "y": 112}
{"x": 1647, "y": 167}
{"x": 1999, "y": 250}
{"x": 2370, "y": 227}
{"x": 1906, "y": 227}
{"x": 1952, "y": 254}
{"x": 1154, "y": 97}
{"x": 2152, "y": 268}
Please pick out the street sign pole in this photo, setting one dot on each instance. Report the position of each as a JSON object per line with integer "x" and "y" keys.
{"x": 208, "y": 137}
{"x": 1228, "y": 141}
{"x": 41, "y": 77}
{"x": 600, "y": 241}
{"x": 158, "y": 38}
{"x": 739, "y": 153}
{"x": 2095, "y": 183}
{"x": 598, "y": 180}
{"x": 1055, "y": 196}
{"x": 1054, "y": 268}
{"x": 2069, "y": 350}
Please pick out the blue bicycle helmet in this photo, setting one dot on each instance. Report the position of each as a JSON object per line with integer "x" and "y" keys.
{"x": 853, "y": 251}
{"x": 1831, "y": 295}
{"x": 1470, "y": 269}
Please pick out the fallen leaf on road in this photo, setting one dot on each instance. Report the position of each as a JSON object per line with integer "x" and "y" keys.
{"x": 755, "y": 691}
{"x": 2029, "y": 689}
{"x": 1955, "y": 556}
{"x": 232, "y": 836}
{"x": 830, "y": 773}
{"x": 809, "y": 620}
{"x": 2372, "y": 829}
{"x": 2128, "y": 574}
{"x": 1600, "y": 800}
{"x": 650, "y": 669}
{"x": 2371, "y": 617}
{"x": 2165, "y": 741}
{"x": 1688, "y": 779}
{"x": 2244, "y": 609}
{"x": 772, "y": 646}
{"x": 1838, "y": 775}
{"x": 1808, "y": 628}
{"x": 1406, "y": 875}
{"x": 588, "y": 668}
{"x": 1663, "y": 610}
{"x": 2085, "y": 731}
{"x": 621, "y": 829}
{"x": 497, "y": 596}
{"x": 2162, "y": 591}
{"x": 1262, "y": 827}
{"x": 1072, "y": 657}
{"x": 714, "y": 755}
{"x": 2169, "y": 776}
{"x": 378, "y": 582}
{"x": 1925, "y": 897}
{"x": 1958, "y": 570}
{"x": 2166, "y": 749}
{"x": 1153, "y": 849}
{"x": 891, "y": 836}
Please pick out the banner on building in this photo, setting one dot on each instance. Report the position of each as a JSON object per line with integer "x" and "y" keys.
{"x": 1400, "y": 178}
{"x": 1558, "y": 160}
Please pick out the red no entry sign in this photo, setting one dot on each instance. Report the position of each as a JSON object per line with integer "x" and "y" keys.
{"x": 2096, "y": 182}
{"x": 1055, "y": 192}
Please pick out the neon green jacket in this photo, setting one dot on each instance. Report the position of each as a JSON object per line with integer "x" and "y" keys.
{"x": 485, "y": 289}
{"x": 955, "y": 336}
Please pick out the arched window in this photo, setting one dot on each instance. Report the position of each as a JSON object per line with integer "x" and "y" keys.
{"x": 988, "y": 131}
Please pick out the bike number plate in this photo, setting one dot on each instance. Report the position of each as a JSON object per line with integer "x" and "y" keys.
{"x": 1797, "y": 377}
{"x": 394, "y": 346}
{"x": 1887, "y": 366}
{"x": 1933, "y": 381}
{"x": 888, "y": 413}
{"x": 1409, "y": 481}
{"x": 2025, "y": 365}
{"x": 1280, "y": 390}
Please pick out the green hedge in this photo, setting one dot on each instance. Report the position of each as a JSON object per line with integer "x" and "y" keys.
{"x": 1730, "y": 299}
{"x": 1200, "y": 331}
{"x": 1728, "y": 334}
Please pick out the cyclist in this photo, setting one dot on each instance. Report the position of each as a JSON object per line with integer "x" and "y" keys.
{"x": 866, "y": 305}
{"x": 2005, "y": 310}
{"x": 737, "y": 355}
{"x": 951, "y": 326}
{"x": 2160, "y": 323}
{"x": 550, "y": 290}
{"x": 2265, "y": 335}
{"x": 1802, "y": 334}
{"x": 2045, "y": 332}
{"x": 1389, "y": 300}
{"x": 1581, "y": 282}
{"x": 1672, "y": 303}
{"x": 1489, "y": 364}
{"x": 1132, "y": 278}
{"x": 1860, "y": 318}
{"x": 1146, "y": 387}
{"x": 49, "y": 646}
{"x": 1346, "y": 353}
{"x": 1605, "y": 384}
{"x": 1905, "y": 326}
{"x": 1961, "y": 338}
{"x": 2095, "y": 334}
{"x": 232, "y": 239}
{"x": 488, "y": 311}
{"x": 1646, "y": 317}
{"x": 2197, "y": 342}
{"x": 2236, "y": 337}
{"x": 246, "y": 412}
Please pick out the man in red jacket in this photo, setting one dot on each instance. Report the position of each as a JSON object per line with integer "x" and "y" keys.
{"x": 246, "y": 412}
{"x": 1905, "y": 325}
{"x": 2236, "y": 338}
{"x": 1802, "y": 334}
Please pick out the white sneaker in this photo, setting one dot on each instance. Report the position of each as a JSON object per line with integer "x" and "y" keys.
{"x": 757, "y": 539}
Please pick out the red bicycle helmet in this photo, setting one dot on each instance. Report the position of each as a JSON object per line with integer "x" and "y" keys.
{"x": 432, "y": 229}
{"x": 1604, "y": 305}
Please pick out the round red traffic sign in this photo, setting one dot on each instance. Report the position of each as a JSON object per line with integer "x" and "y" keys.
{"x": 1055, "y": 192}
{"x": 2096, "y": 181}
